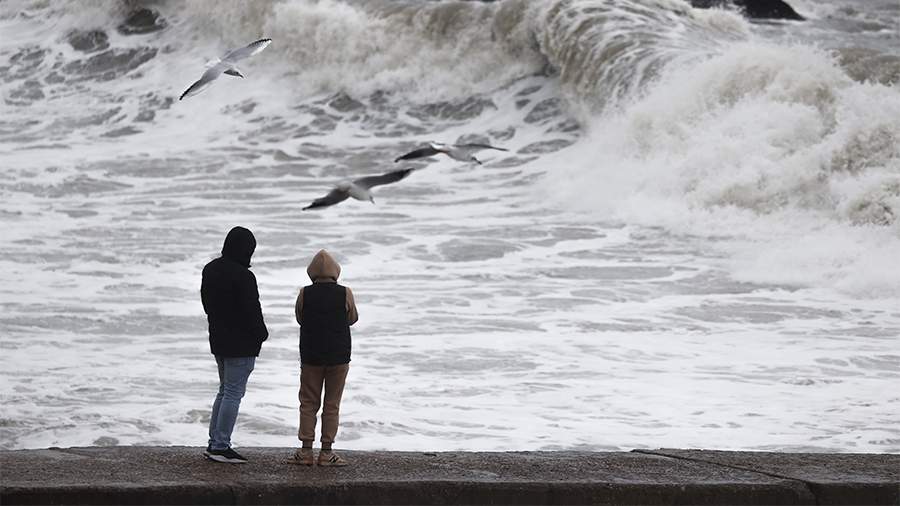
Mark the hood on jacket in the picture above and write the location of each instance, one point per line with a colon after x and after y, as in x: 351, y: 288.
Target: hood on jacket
x: 323, y: 267
x: 239, y: 245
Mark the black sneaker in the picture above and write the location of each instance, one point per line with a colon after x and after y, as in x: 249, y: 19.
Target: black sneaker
x: 207, y: 450
x: 227, y: 455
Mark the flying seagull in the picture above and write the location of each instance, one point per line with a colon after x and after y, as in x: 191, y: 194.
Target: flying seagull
x: 225, y: 65
x: 358, y: 188
x: 461, y: 152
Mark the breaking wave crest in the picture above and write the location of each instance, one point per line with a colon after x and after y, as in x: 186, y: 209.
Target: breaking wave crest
x: 775, y: 146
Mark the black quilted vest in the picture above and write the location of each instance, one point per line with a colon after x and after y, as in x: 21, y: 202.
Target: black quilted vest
x: 324, y: 332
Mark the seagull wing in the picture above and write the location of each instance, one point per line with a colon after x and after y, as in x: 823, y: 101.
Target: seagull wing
x: 388, y: 178
x: 334, y: 196
x: 247, y: 51
x: 205, y: 80
x: 418, y: 153
x: 476, y: 146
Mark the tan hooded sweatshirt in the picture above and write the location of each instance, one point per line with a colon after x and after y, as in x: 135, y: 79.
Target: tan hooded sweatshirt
x: 324, y: 269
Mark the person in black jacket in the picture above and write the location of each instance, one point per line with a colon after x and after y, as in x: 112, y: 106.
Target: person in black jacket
x: 325, y: 311
x: 236, y: 333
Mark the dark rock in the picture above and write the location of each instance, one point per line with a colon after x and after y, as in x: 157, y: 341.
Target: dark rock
x: 142, y: 21
x: 756, y: 9
x: 88, y: 42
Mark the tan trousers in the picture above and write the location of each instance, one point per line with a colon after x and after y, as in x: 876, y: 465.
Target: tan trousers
x: 312, y: 379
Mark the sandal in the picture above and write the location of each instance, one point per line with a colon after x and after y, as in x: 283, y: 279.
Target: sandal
x: 331, y: 459
x: 303, y: 457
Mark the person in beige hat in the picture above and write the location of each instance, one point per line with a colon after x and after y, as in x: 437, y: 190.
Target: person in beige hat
x: 325, y: 311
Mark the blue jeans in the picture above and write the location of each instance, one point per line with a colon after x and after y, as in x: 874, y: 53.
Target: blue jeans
x: 233, y: 374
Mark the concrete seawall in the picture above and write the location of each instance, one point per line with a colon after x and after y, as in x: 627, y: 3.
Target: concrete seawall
x: 180, y: 475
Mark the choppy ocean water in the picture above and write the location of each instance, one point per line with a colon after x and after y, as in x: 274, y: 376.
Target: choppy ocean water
x: 692, y: 241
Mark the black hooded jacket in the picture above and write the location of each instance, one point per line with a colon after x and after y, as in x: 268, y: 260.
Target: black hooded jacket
x: 231, y: 299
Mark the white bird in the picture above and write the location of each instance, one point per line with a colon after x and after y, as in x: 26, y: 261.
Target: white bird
x: 358, y: 188
x: 225, y: 65
x: 461, y: 152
